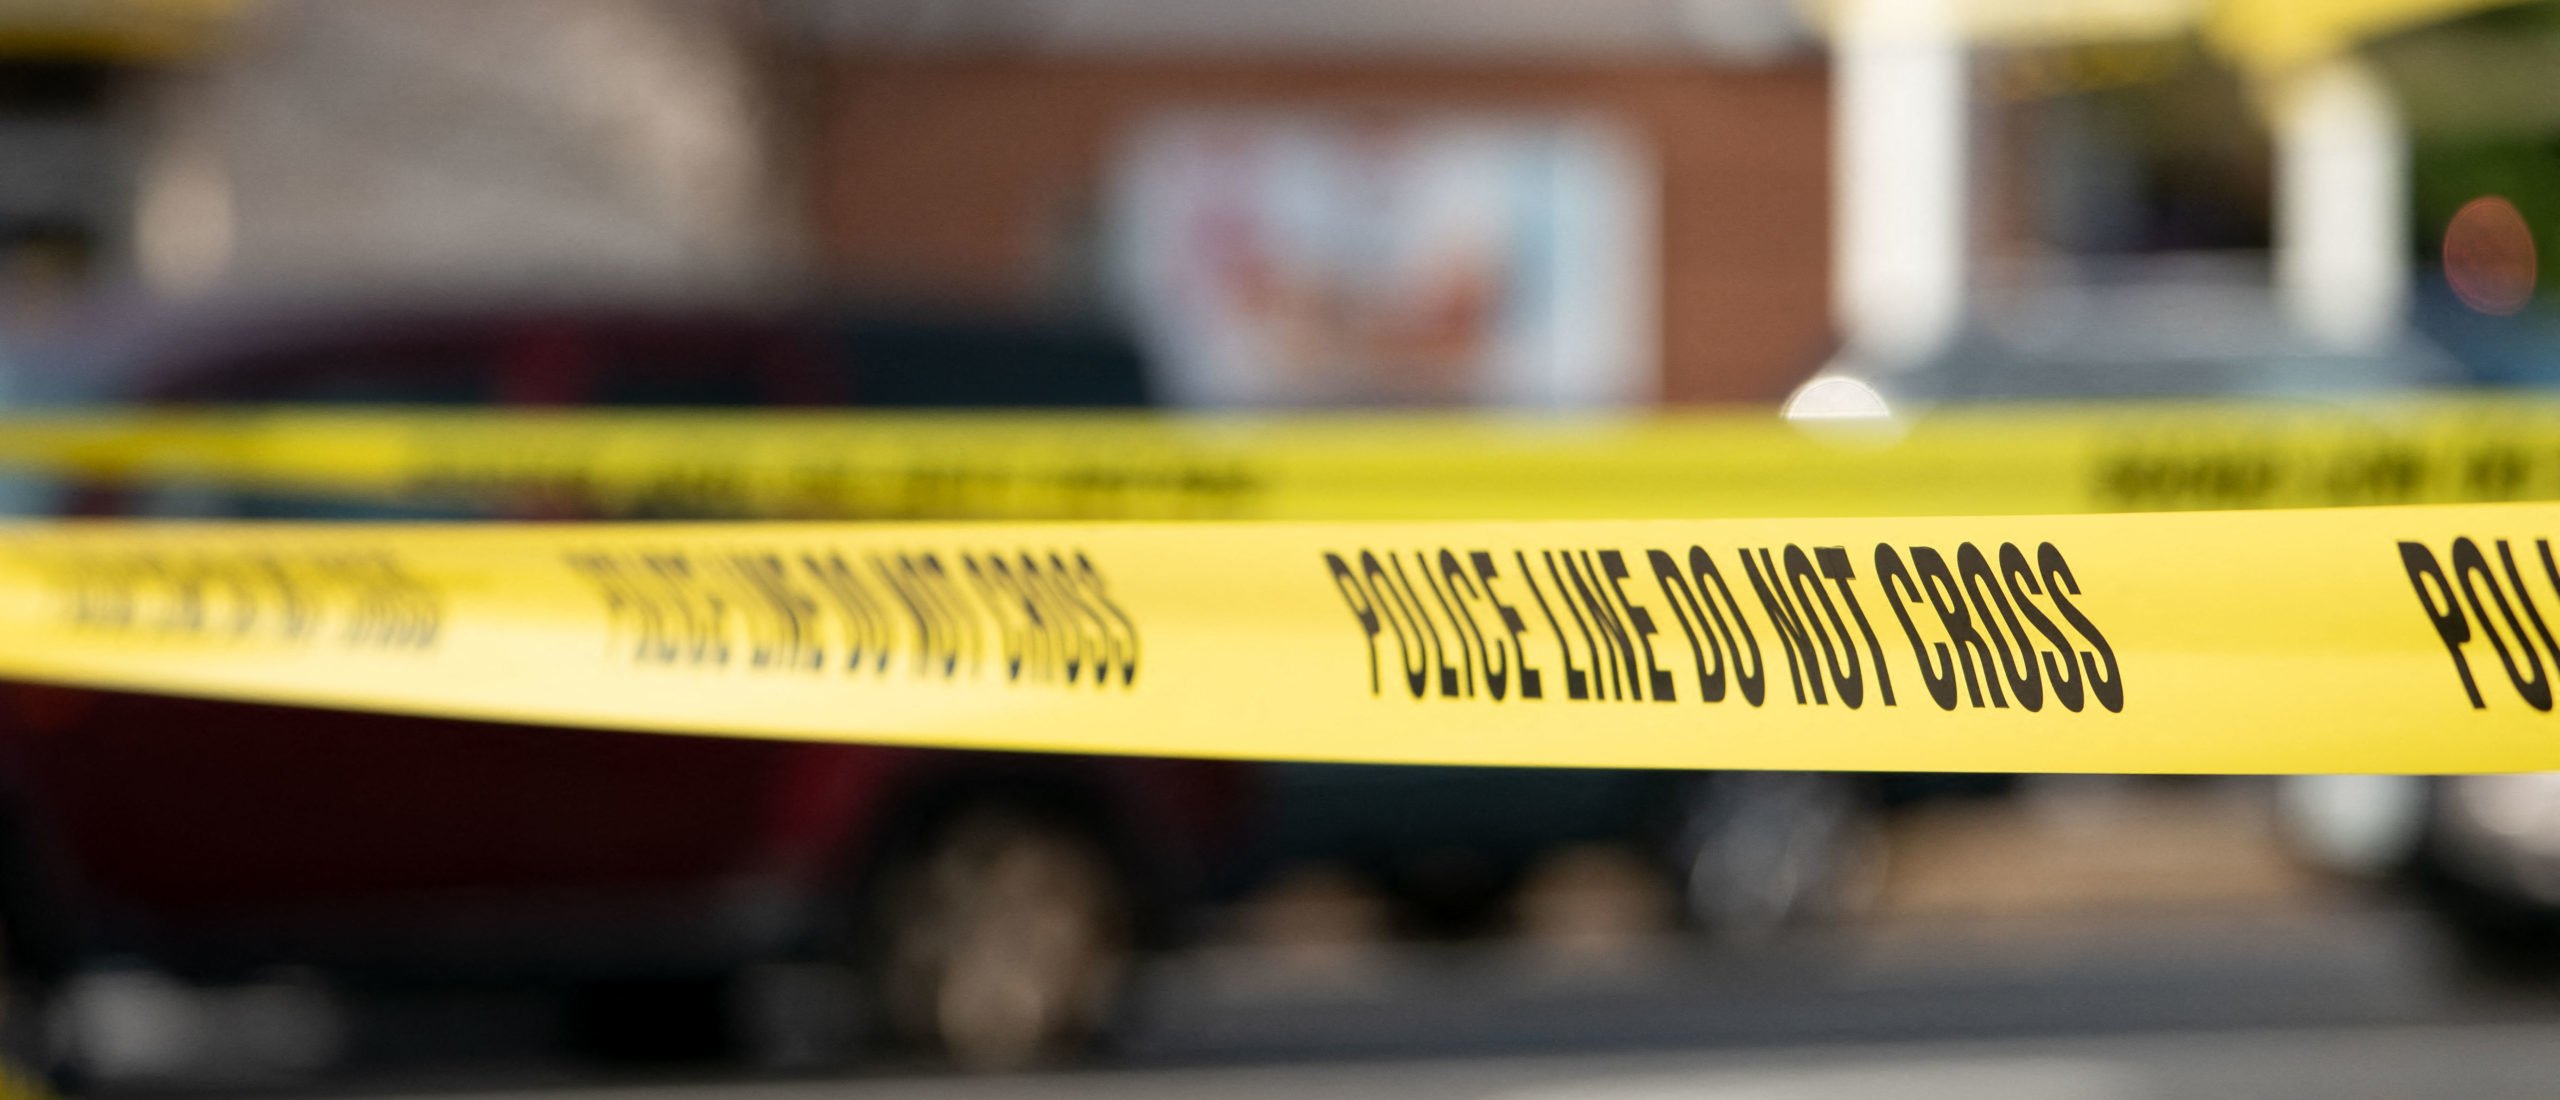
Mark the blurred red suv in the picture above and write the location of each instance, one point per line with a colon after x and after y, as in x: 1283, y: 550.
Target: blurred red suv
x: 983, y: 905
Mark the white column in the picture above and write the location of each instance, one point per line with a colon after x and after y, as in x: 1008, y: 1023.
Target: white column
x: 2341, y: 216
x: 1899, y: 154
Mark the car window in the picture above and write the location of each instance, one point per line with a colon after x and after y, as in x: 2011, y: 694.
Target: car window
x: 712, y: 366
x: 380, y: 372
x: 667, y: 384
x: 892, y: 362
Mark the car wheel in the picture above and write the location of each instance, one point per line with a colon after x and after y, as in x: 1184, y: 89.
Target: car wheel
x: 1003, y: 940
x: 2491, y: 943
x: 1757, y: 852
x: 2486, y: 870
x: 32, y: 1048
x: 650, y: 1022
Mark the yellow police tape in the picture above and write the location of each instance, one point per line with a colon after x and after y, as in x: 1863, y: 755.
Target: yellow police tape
x: 2414, y: 639
x: 2021, y: 460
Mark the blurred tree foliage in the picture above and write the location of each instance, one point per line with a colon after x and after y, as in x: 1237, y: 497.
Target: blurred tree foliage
x: 2484, y: 119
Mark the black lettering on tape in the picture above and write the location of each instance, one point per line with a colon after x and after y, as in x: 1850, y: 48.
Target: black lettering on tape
x: 2106, y: 686
x: 1640, y: 623
x: 1901, y: 591
x: 1091, y: 633
x: 1453, y: 610
x: 1613, y: 651
x: 1090, y: 582
x: 1752, y: 682
x: 2017, y: 657
x: 1364, y: 609
x: 2533, y: 613
x: 1011, y: 608
x: 1848, y: 676
x: 2472, y: 569
x: 1577, y: 685
x: 866, y: 622
x: 2062, y: 666
x: 2443, y: 609
x: 1792, y: 636
x: 1453, y: 580
x: 1946, y: 596
x: 1693, y: 623
x: 1836, y: 567
x: 1431, y: 627
x: 1531, y: 686
x: 1410, y: 655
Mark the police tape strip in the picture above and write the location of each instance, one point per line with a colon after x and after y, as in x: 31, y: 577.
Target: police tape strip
x: 2010, y: 460
x: 2363, y: 640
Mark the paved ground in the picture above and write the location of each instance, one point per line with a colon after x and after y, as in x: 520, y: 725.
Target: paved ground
x: 2094, y: 941
x: 2486, y: 1062
x: 2341, y: 1007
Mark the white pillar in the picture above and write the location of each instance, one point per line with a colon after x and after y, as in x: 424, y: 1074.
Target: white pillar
x: 2341, y: 216
x: 1899, y: 154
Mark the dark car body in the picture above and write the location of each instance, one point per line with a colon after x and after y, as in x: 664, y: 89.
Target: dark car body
x: 217, y: 838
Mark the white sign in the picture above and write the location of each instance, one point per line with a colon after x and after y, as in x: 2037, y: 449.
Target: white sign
x: 1330, y: 259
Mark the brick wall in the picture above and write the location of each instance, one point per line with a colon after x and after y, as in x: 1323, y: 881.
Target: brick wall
x: 955, y: 176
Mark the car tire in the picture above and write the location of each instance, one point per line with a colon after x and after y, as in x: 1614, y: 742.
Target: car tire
x: 26, y: 1020
x: 37, y: 1041
x: 2481, y: 871
x: 34, y: 1041
x: 651, y: 1022
x: 2492, y: 944
x: 1002, y: 940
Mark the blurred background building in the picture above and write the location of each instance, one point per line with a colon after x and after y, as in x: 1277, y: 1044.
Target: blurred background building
x: 498, y: 148
x: 1406, y: 201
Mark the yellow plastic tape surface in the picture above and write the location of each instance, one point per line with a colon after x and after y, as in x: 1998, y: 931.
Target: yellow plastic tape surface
x: 2366, y: 640
x: 2012, y: 460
